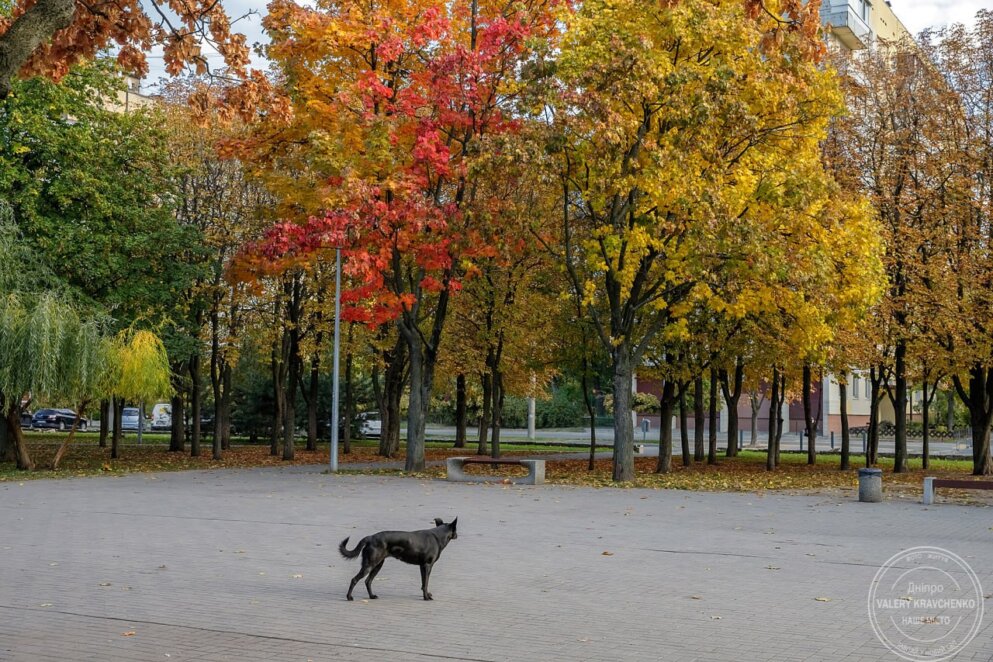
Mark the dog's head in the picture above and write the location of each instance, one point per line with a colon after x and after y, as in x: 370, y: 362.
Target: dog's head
x: 451, y: 527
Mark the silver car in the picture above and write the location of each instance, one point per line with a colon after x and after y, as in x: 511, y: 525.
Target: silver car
x: 129, y: 418
x: 370, y: 424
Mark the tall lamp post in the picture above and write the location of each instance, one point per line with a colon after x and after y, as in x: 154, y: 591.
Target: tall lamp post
x: 334, y: 375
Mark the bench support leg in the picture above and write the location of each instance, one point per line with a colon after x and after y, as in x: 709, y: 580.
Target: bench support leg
x: 928, y: 497
x: 456, y: 473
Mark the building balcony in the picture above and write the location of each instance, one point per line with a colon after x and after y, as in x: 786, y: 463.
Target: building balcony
x: 846, y: 25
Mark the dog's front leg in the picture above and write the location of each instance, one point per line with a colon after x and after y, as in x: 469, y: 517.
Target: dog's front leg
x: 425, y: 576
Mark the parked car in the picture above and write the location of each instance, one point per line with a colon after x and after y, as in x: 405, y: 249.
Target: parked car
x: 57, y: 419
x: 26, y: 417
x: 370, y: 424
x: 129, y: 419
x: 162, y: 416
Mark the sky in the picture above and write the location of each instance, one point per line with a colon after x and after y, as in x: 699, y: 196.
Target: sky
x: 920, y: 14
x: 915, y: 14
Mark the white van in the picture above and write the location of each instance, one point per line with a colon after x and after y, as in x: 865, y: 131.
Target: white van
x: 162, y: 416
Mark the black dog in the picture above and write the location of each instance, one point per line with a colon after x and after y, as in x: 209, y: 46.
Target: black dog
x: 415, y: 547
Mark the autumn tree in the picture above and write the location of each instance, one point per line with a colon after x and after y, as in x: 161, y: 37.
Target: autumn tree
x: 47, y: 37
x: 138, y: 370
x: 393, y: 104
x: 505, y: 314
x: 959, y: 276
x: 681, y: 130
x: 221, y: 208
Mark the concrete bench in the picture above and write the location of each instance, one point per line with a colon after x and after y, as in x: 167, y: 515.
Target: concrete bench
x: 536, y: 470
x: 931, y: 484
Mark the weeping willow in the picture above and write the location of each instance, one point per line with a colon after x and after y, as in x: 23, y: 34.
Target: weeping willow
x: 51, y: 354
x: 142, y: 367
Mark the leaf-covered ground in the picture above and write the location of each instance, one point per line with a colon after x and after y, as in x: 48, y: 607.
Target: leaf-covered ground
x: 86, y: 458
x: 745, y: 473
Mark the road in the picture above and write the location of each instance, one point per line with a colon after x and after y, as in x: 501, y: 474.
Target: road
x: 605, y: 437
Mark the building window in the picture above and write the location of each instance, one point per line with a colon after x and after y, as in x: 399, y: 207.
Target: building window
x: 855, y: 388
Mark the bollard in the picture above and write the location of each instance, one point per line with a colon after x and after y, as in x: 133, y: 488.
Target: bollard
x: 870, y: 485
x: 801, y: 441
x: 832, y: 439
x: 865, y: 448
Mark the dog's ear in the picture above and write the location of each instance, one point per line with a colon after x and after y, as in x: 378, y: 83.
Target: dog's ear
x: 454, y: 523
x: 437, y: 521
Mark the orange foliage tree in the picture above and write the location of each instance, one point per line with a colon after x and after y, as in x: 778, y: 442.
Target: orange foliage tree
x: 392, y: 107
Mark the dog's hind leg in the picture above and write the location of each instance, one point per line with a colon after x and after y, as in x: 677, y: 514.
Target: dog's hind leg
x: 372, y: 575
x: 425, y: 576
x: 356, y: 578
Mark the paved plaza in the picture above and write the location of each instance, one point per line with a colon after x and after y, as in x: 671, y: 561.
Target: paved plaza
x: 243, y: 565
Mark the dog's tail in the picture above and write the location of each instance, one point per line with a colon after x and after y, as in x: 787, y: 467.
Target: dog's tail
x: 343, y: 548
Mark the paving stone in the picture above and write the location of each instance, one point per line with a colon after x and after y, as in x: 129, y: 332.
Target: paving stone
x: 243, y: 565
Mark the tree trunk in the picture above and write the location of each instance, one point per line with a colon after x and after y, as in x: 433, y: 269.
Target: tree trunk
x: 215, y: 369
x: 115, y: 439
x: 420, y: 391
x: 388, y: 397
x: 311, y: 398
x: 979, y: 401
x: 195, y: 406
x: 35, y: 27
x: 732, y: 394
x: 484, y: 416
x: 105, y: 422
x: 667, y: 402
x: 497, y: 412
x: 771, y: 454
x: 226, y: 407
x: 950, y: 411
x: 6, y: 444
x: 846, y: 445
x: 290, y: 404
x: 712, y: 419
x: 808, y: 415
x: 423, y: 351
x: 276, y: 372
x: 684, y: 428
x: 588, y: 401
x: 925, y: 450
x: 68, y: 440
x: 780, y: 423
x: 460, y: 411
x: 698, y: 419
x: 349, y: 404
x: 875, y: 393
x: 755, y: 403
x: 218, y: 425
x: 900, y: 408
x: 623, y: 374
x: 15, y: 436
x: 177, y: 431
